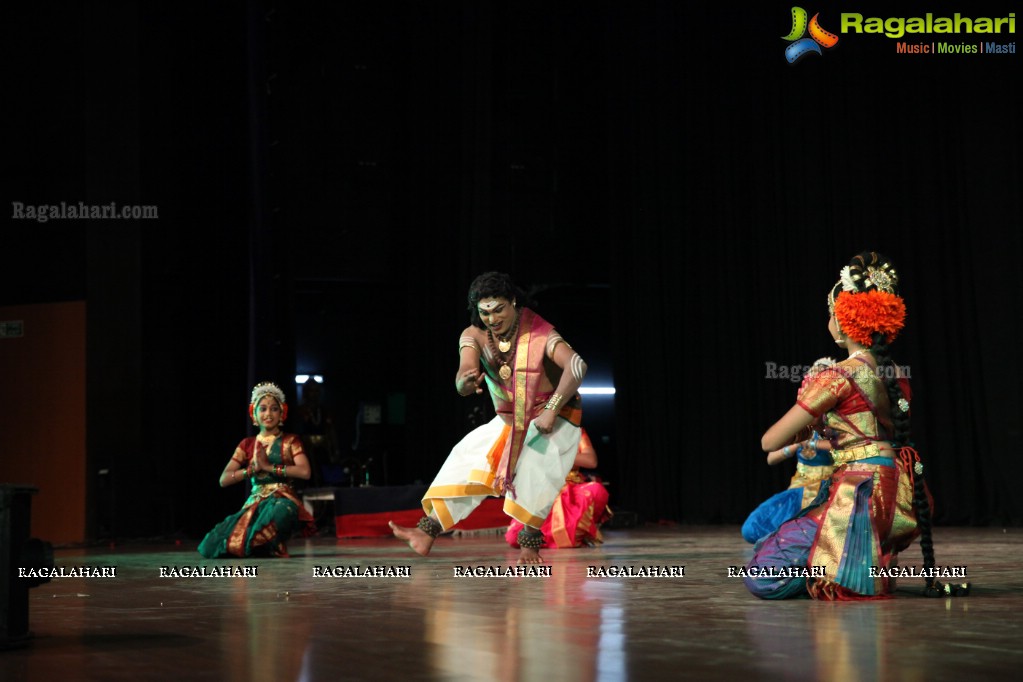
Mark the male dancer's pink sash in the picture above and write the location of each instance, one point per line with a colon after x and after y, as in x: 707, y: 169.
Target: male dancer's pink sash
x: 527, y: 401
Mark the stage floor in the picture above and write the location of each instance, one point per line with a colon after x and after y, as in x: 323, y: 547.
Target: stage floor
x: 286, y: 624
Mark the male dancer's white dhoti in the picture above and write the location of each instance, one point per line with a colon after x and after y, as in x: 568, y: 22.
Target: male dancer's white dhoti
x: 470, y: 473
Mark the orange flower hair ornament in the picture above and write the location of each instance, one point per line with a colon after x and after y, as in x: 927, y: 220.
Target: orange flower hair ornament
x: 861, y: 315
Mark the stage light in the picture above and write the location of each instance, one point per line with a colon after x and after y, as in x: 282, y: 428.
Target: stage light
x: 596, y: 390
x: 302, y: 378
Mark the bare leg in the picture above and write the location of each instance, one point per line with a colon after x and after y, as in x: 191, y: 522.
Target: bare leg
x: 420, y: 541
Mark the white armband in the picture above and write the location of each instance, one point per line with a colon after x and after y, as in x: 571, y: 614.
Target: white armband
x: 578, y: 367
x: 552, y: 343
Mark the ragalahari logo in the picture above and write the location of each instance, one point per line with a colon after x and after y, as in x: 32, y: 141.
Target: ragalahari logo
x: 802, y: 46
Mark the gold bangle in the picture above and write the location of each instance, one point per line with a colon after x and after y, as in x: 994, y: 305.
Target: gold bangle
x: 553, y: 403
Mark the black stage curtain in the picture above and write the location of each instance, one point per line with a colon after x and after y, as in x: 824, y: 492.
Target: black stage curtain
x: 740, y: 185
x: 331, y: 176
x: 662, y: 169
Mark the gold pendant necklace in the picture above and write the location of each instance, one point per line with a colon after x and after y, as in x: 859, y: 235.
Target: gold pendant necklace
x: 504, y: 345
x: 500, y: 347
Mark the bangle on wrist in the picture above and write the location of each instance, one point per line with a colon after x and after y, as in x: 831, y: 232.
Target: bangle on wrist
x: 554, y: 401
x: 787, y: 451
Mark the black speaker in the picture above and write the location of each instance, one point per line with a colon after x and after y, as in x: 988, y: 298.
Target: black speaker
x: 18, y: 550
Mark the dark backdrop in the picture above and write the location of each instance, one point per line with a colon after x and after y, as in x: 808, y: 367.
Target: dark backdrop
x: 330, y: 177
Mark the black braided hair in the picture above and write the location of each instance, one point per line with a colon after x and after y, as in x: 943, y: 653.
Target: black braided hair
x: 493, y: 285
x: 887, y: 370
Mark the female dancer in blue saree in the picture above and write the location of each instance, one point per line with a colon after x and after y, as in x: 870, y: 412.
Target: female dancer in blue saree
x: 846, y: 545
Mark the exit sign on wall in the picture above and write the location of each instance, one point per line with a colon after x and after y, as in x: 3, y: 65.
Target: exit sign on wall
x: 11, y: 329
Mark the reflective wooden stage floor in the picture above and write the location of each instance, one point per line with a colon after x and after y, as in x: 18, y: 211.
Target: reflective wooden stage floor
x: 285, y: 624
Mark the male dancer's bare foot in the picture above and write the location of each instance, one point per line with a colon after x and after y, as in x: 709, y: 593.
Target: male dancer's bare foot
x: 419, y: 541
x: 529, y: 556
